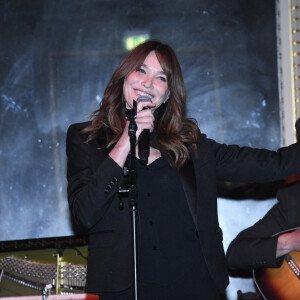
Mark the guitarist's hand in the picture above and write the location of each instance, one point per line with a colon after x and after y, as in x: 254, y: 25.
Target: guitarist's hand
x: 288, y: 242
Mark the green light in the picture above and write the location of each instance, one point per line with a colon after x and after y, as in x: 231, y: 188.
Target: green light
x: 130, y: 42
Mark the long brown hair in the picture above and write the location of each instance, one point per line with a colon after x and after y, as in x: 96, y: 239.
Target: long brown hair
x: 172, y: 130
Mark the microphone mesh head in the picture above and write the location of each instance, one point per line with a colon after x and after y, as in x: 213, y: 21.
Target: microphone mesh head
x: 143, y: 98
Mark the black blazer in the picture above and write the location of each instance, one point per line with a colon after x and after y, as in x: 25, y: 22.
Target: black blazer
x: 94, y: 179
x: 256, y: 246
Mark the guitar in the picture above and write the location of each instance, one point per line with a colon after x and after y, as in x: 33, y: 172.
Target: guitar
x: 280, y: 283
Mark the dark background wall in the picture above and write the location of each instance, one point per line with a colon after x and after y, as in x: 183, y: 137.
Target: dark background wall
x: 57, y: 57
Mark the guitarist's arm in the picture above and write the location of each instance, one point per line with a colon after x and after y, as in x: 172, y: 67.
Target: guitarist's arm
x: 252, y: 248
x: 258, y: 246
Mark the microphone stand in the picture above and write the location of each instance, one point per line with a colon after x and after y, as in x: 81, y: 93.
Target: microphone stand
x: 132, y: 188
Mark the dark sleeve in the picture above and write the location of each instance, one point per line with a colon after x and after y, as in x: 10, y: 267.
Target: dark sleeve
x: 246, y: 164
x: 256, y: 245
x: 253, y: 248
x: 93, y: 179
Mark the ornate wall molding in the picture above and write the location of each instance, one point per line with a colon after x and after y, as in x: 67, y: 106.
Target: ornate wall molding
x: 289, y: 62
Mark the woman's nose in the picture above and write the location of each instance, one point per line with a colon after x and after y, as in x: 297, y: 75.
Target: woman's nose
x: 147, y: 81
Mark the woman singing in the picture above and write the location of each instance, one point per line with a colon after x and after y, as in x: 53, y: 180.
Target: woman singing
x: 179, y: 241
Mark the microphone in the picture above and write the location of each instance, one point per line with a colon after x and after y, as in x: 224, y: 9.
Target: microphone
x: 143, y: 142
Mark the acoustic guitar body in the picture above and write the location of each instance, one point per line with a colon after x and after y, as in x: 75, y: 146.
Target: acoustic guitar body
x: 280, y: 283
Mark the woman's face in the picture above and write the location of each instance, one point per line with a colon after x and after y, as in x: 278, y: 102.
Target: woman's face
x: 149, y: 80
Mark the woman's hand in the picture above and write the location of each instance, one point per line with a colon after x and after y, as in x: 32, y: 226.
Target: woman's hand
x: 144, y: 120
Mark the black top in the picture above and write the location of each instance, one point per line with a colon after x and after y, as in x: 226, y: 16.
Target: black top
x: 169, y: 251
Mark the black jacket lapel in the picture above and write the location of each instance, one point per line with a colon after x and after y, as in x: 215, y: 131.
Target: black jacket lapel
x: 187, y: 173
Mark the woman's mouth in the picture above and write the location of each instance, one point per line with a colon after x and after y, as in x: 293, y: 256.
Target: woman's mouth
x: 142, y: 93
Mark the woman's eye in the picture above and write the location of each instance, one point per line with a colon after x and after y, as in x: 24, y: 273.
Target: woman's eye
x: 140, y: 70
x: 164, y: 79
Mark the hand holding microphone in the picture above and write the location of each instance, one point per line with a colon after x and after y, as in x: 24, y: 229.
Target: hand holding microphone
x: 144, y: 139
